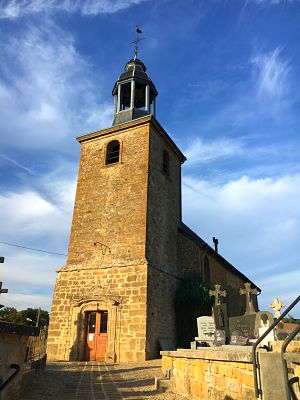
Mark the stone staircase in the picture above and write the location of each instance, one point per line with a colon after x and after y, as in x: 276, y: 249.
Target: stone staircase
x: 164, y: 384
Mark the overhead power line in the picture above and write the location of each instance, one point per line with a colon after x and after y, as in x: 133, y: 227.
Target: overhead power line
x: 30, y: 248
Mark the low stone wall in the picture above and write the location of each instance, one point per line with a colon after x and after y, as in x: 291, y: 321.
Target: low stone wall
x: 13, y: 346
x: 216, y: 374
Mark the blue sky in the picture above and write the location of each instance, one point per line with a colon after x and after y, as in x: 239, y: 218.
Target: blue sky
x: 227, y: 73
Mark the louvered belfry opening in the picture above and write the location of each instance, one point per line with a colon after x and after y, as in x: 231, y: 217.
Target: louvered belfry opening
x: 134, y: 93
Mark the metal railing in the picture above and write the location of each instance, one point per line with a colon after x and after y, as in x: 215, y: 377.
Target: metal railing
x: 258, y: 391
x: 289, y: 390
x: 17, y: 369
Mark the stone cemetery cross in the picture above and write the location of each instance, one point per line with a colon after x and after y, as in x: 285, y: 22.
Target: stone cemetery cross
x: 249, y: 299
x: 277, y: 306
x: 2, y: 290
x: 218, y: 293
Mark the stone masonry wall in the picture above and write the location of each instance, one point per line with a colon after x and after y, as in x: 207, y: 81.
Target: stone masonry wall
x: 163, y: 219
x: 106, y: 259
x: 102, y: 286
x: 109, y: 221
x: 211, y: 374
x: 164, y: 205
x: 191, y: 256
x: 160, y: 310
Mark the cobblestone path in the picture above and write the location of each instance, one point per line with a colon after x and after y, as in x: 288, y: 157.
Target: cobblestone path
x: 97, y: 381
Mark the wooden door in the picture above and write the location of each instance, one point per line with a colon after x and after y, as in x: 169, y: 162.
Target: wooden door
x: 96, y: 335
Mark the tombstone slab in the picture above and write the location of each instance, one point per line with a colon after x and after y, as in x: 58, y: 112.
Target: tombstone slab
x: 249, y: 324
x: 206, y: 328
x: 221, y: 318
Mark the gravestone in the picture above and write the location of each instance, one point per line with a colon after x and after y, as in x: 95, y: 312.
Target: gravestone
x: 238, y: 339
x: 219, y: 309
x: 249, y: 293
x: 218, y: 294
x: 206, y: 328
x: 252, y: 324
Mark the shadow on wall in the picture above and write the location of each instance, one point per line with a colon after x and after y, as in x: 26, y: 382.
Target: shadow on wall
x: 77, y: 350
x: 192, y: 300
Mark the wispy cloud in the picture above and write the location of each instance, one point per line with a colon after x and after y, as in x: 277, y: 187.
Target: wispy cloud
x: 46, y: 89
x: 257, y: 222
x: 273, y: 73
x: 33, y: 214
x: 16, y: 163
x: 35, y: 219
x: 15, y: 8
x: 201, y: 151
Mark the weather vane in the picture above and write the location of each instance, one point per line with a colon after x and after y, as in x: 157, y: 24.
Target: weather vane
x: 137, y: 40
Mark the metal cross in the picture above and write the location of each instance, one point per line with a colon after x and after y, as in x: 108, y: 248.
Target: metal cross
x: 277, y: 306
x: 249, y: 297
x: 2, y: 290
x: 137, y: 41
x: 218, y: 293
x: 216, y: 242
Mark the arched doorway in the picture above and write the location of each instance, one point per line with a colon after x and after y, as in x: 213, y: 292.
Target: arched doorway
x: 94, y: 332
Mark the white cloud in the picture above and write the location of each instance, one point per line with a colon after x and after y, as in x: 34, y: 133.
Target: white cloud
x: 202, y: 152
x: 257, y: 222
x: 46, y: 89
x: 272, y: 73
x: 31, y: 214
x: 36, y: 220
x: 15, y: 8
x: 21, y: 301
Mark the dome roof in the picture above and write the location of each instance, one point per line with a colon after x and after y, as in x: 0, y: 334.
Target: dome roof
x: 135, y: 62
x: 135, y: 69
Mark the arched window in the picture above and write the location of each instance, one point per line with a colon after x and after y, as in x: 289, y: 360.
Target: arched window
x: 206, y: 271
x: 113, y: 152
x: 165, y: 163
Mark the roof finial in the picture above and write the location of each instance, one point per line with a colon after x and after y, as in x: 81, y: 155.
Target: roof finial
x: 137, y: 41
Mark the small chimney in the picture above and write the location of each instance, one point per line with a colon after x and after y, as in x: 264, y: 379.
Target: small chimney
x: 216, y: 242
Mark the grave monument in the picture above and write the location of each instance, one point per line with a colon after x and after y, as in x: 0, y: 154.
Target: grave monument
x: 252, y: 324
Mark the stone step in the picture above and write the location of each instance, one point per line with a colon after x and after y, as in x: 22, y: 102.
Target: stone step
x: 162, y: 384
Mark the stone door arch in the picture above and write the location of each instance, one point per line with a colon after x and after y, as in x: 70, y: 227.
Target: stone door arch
x: 78, y: 327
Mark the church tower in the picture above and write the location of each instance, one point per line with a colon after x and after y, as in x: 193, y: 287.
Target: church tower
x: 113, y: 299
x: 129, y: 249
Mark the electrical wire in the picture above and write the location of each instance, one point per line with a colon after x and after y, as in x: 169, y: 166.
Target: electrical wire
x: 32, y: 249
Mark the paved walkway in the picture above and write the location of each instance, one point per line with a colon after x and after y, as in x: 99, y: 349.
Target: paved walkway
x: 94, y: 383
x: 97, y: 381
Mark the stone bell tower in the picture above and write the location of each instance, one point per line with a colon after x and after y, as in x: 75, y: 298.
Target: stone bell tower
x: 113, y: 299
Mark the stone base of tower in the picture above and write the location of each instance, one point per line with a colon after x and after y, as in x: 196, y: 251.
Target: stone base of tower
x: 121, y: 292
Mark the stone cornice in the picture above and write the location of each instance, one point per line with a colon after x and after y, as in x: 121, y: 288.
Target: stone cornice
x: 148, y: 120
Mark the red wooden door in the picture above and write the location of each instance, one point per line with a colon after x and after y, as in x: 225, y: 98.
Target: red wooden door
x: 96, y: 335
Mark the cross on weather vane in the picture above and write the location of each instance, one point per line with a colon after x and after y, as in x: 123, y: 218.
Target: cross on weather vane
x: 137, y: 41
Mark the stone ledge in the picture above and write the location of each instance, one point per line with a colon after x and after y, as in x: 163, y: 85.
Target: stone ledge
x: 293, y: 357
x: 234, y: 353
